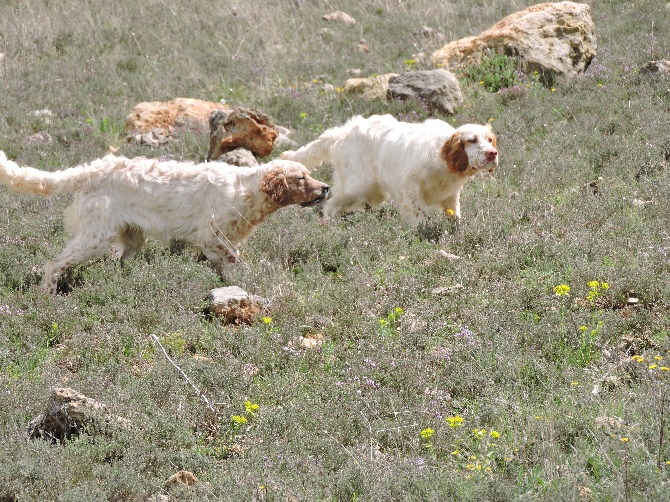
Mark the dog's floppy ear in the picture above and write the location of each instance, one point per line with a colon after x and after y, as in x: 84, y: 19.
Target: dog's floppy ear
x: 275, y: 186
x: 454, y: 154
x: 494, y: 142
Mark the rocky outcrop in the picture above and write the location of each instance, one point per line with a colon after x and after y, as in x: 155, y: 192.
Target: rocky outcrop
x: 241, y: 128
x: 556, y: 39
x: 164, y: 116
x: 437, y: 89
x: 67, y: 412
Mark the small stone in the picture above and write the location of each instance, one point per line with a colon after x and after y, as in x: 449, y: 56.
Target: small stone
x: 233, y: 305
x: 67, y: 412
x: 311, y: 341
x: 446, y: 290
x: 362, y: 46
x: 239, y: 157
x: 181, y: 478
x: 339, y: 17
x: 449, y: 256
x: 640, y: 202
x: 370, y: 88
x: 660, y: 67
x: 584, y: 491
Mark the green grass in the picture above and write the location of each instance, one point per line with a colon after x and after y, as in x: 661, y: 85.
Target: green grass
x: 484, y: 337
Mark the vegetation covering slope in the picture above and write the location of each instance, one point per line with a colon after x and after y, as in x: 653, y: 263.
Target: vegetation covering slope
x: 505, y: 374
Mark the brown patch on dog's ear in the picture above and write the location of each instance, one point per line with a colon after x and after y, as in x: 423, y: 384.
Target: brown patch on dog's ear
x: 494, y: 141
x: 274, y: 185
x: 454, y: 154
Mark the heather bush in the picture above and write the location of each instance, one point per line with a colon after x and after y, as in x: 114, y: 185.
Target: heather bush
x: 521, y: 354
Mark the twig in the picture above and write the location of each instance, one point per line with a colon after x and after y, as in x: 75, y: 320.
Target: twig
x: 344, y: 447
x: 238, y: 50
x: 198, y: 391
x: 661, y: 430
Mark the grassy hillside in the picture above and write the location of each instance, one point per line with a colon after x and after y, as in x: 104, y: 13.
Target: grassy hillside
x: 439, y: 379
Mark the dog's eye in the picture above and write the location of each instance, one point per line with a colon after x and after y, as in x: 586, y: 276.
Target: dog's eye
x: 301, y: 177
x: 473, y: 140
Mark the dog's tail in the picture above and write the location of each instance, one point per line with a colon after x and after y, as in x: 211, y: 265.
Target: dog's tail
x: 31, y: 180
x: 316, y: 152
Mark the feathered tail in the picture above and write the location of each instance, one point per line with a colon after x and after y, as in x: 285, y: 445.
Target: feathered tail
x: 316, y: 152
x: 31, y: 180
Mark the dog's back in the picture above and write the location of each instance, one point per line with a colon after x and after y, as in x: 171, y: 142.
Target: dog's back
x: 369, y: 137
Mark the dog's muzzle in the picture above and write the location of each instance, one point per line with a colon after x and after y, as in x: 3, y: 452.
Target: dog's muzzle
x: 324, y: 193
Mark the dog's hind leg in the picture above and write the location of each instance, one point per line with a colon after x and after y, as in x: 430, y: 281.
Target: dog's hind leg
x: 81, y: 248
x: 131, y: 240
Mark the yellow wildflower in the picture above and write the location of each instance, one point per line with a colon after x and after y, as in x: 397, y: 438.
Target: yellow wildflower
x: 455, y: 421
x: 237, y: 419
x: 426, y: 434
x: 561, y: 290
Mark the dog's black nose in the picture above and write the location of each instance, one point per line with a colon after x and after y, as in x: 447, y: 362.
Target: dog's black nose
x: 325, y: 190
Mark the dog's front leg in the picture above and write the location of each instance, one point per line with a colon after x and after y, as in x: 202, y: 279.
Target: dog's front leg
x: 220, y: 256
x: 452, y: 206
x: 412, y: 210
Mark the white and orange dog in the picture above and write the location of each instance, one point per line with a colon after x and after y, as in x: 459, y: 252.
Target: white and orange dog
x: 118, y: 201
x: 418, y: 165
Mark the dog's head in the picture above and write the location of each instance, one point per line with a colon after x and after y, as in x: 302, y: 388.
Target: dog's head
x: 288, y: 182
x: 472, y: 147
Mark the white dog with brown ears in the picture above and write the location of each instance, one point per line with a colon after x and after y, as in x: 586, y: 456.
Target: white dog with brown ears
x: 118, y: 201
x: 418, y: 165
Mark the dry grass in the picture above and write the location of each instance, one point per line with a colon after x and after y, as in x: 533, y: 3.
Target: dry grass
x: 483, y: 337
